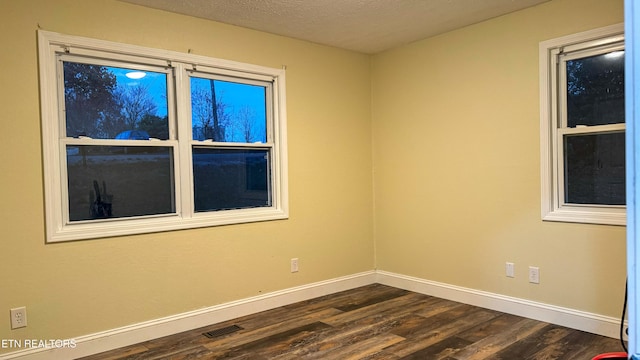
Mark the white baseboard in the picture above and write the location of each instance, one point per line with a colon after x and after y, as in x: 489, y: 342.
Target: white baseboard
x: 136, y: 333
x: 575, y: 319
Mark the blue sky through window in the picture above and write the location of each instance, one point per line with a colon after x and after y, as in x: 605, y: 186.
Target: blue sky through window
x: 243, y: 106
x: 154, y: 82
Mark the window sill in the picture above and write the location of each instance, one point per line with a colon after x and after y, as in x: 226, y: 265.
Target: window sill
x: 588, y: 215
x: 119, y: 227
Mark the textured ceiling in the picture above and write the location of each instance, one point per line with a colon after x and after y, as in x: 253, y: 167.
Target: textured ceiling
x: 367, y: 26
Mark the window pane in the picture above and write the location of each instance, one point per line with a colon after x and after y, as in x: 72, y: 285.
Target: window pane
x: 119, y: 181
x: 595, y: 169
x: 104, y: 102
x: 230, y: 178
x: 595, y: 90
x: 228, y: 111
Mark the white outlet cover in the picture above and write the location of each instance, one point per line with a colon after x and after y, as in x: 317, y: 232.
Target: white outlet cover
x: 510, y: 269
x: 534, y: 275
x: 18, y: 317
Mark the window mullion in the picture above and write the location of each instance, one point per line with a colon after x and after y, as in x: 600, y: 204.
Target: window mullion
x: 183, y: 123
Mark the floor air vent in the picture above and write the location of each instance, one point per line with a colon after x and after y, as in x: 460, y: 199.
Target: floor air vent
x: 223, y: 331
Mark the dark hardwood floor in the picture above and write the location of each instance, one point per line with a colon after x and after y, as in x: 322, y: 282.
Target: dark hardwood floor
x: 374, y: 322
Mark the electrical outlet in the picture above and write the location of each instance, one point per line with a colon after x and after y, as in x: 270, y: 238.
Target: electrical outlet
x: 18, y: 317
x: 510, y: 269
x: 534, y: 275
x: 294, y: 265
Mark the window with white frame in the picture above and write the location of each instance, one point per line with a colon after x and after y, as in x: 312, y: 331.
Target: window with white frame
x: 583, y: 127
x: 139, y: 140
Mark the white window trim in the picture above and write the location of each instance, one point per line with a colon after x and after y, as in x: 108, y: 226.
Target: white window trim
x: 552, y: 207
x: 58, y: 230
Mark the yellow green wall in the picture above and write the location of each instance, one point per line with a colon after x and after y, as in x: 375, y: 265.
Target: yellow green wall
x: 78, y: 288
x: 422, y: 161
x: 457, y: 164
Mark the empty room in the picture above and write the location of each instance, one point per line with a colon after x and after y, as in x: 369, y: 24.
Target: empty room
x: 171, y: 167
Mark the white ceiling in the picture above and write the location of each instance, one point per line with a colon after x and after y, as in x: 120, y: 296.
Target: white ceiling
x: 367, y: 26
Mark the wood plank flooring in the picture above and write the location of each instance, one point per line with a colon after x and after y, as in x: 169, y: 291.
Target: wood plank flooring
x: 374, y: 322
